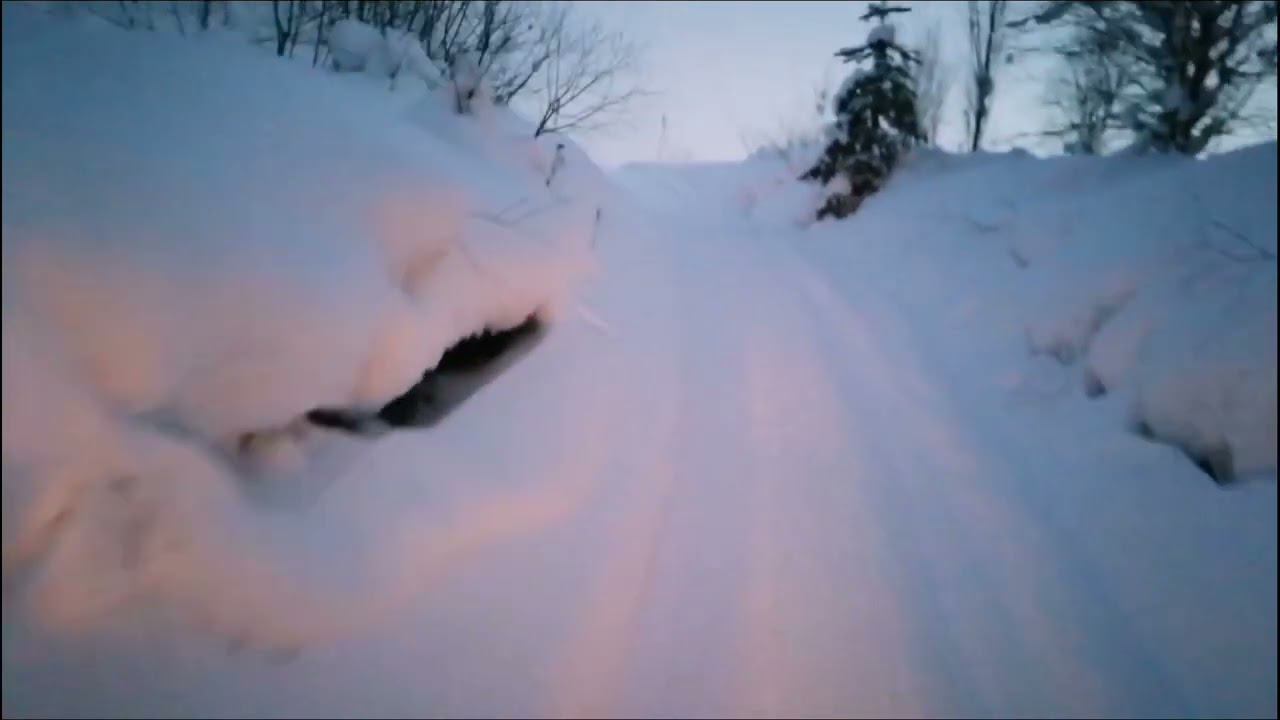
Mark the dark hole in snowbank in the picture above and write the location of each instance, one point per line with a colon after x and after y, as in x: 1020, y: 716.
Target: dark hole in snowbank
x: 465, y: 367
x: 1093, y: 385
x: 1216, y: 462
x: 338, y: 419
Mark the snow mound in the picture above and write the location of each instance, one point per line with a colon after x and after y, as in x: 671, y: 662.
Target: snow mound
x: 357, y: 46
x: 202, y: 243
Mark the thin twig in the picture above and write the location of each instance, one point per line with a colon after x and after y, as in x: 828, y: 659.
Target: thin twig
x: 505, y: 222
x: 1260, y: 253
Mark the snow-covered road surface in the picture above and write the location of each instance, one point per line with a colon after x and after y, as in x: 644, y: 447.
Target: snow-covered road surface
x: 752, y: 491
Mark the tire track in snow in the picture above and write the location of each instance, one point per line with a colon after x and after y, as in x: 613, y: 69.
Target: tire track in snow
x: 594, y: 663
x: 683, y: 658
x: 817, y: 573
x: 982, y: 576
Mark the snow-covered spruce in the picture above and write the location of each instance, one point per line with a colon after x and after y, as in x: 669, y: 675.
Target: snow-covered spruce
x: 875, y: 121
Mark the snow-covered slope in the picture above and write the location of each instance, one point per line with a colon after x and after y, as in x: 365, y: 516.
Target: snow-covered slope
x: 771, y: 468
x: 1151, y: 278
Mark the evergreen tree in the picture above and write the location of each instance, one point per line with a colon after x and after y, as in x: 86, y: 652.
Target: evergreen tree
x: 875, y: 117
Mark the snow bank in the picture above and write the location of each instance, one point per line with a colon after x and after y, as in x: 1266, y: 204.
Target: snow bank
x: 1205, y: 378
x: 1156, y: 274
x: 203, y: 242
x: 1150, y: 278
x: 1165, y: 283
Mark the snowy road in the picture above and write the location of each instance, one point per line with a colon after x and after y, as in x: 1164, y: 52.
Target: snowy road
x: 751, y: 494
x: 821, y: 534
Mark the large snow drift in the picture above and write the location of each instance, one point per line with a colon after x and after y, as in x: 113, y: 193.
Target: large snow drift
x: 203, y: 242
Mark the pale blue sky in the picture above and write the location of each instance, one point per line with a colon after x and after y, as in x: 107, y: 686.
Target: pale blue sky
x: 725, y: 70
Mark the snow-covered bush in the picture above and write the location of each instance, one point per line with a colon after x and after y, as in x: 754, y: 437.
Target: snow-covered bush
x: 355, y: 46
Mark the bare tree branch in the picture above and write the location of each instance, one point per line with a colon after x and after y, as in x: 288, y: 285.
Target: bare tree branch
x: 1256, y: 251
x: 932, y: 81
x: 585, y: 76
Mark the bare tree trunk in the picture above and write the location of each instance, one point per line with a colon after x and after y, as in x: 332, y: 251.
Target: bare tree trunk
x: 177, y: 17
x: 320, y: 28
x: 430, y: 19
x: 282, y: 34
x: 413, y: 16
x: 985, y: 42
x: 145, y: 9
x: 455, y: 15
x: 489, y: 13
x: 389, y: 21
x: 295, y: 25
